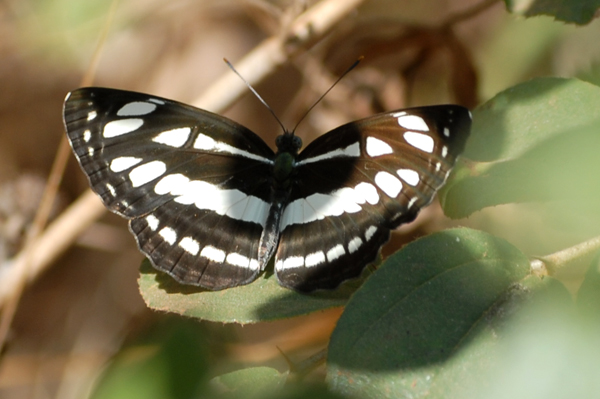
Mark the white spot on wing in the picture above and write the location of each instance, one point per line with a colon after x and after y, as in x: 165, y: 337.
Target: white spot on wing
x: 170, y: 184
x: 376, y: 147
x: 174, y: 137
x: 152, y: 222
x: 318, y: 206
x: 353, y: 150
x: 92, y: 115
x: 444, y: 151
x: 354, y: 244
x: 147, y: 172
x: 368, y: 192
x: 87, y: 135
x: 136, y: 108
x: 446, y: 132
x: 190, y: 245
x: 388, y: 183
x: 410, y: 176
x: 120, y: 127
x: 370, y: 232
x: 314, y: 259
x: 212, y: 253
x: 204, y: 142
x: 335, y: 252
x: 239, y: 260
x: 111, y: 189
x: 203, y: 195
x: 254, y: 265
x: 291, y: 262
x: 168, y: 234
x: 156, y: 101
x: 123, y: 163
x: 411, y: 202
x: 419, y: 140
x: 413, y: 122
x: 91, y: 151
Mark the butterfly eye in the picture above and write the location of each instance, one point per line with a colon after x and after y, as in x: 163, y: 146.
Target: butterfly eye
x: 297, y: 142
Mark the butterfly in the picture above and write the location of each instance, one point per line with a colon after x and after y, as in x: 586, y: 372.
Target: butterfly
x: 210, y: 203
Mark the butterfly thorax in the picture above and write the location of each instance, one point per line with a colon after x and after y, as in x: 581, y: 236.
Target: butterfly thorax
x: 287, y: 149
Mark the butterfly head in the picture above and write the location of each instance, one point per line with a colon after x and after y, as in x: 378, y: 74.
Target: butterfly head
x: 288, y: 142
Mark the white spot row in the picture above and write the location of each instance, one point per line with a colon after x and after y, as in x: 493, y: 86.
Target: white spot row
x: 233, y: 203
x: 319, y: 206
x: 353, y: 150
x: 124, y: 126
x: 207, y: 143
x: 192, y: 246
x: 321, y: 257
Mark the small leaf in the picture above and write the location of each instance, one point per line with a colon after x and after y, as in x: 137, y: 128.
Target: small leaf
x: 262, y: 300
x: 418, y: 309
x: 571, y: 11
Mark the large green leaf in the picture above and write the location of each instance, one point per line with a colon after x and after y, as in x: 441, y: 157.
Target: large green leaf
x: 546, y: 134
x: 262, y: 300
x: 424, y: 304
x: 519, y: 118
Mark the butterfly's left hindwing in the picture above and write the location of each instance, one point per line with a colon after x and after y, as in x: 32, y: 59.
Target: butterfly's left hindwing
x: 359, y: 181
x: 194, y: 184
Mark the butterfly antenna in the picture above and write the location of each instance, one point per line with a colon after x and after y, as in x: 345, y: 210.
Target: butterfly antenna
x: 328, y: 90
x: 255, y: 93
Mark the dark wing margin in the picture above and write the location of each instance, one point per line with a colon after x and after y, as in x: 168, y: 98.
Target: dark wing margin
x: 183, y: 176
x: 357, y: 183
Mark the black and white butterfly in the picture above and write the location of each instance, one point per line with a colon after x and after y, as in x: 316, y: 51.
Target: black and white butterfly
x: 210, y: 203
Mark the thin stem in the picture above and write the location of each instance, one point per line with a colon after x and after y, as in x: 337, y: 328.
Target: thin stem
x: 565, y: 257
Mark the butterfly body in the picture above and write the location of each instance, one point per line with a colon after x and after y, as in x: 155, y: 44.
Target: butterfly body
x: 210, y: 203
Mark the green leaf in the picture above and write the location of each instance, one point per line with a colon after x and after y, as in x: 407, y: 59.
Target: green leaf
x: 262, y: 300
x: 519, y: 118
x: 170, y: 364
x: 495, y: 352
x: 570, y: 11
x: 418, y: 309
x: 548, y: 144
x: 254, y: 382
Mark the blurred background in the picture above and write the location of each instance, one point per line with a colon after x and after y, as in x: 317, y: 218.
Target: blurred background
x: 76, y: 315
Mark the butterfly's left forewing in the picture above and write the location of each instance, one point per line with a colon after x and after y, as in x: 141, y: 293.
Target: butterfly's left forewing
x: 359, y: 181
x: 194, y: 184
